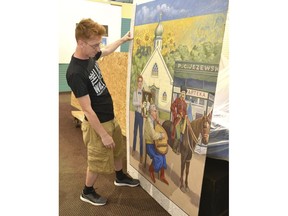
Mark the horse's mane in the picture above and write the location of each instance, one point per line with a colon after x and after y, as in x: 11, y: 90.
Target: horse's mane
x: 196, y: 126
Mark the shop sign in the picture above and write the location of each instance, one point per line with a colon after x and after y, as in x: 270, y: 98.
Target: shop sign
x: 195, y: 93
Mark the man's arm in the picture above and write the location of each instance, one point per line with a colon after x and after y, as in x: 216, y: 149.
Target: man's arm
x: 149, y: 132
x: 110, y: 48
x: 173, y: 109
x: 135, y: 101
x: 93, y: 119
x: 185, y: 109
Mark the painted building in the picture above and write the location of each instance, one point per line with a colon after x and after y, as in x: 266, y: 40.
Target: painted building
x: 199, y: 79
x: 156, y: 74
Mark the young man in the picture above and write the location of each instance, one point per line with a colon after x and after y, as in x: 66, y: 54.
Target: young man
x: 101, y: 133
x: 138, y: 122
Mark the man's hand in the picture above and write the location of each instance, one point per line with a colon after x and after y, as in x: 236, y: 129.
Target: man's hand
x: 162, y: 135
x: 107, y: 50
x: 127, y: 36
x: 108, y: 142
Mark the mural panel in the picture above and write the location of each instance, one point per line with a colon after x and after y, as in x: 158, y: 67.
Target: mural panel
x: 174, y: 68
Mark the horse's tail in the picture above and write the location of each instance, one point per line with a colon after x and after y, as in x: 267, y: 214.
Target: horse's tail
x: 167, y: 127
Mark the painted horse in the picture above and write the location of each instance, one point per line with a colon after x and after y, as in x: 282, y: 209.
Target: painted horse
x: 195, y: 132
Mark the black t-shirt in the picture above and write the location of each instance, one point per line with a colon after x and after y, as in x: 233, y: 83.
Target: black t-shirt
x: 84, y: 77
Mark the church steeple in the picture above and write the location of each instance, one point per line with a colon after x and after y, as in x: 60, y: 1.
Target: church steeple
x: 158, y: 34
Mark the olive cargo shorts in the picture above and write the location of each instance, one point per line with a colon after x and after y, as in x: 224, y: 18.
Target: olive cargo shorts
x: 101, y: 159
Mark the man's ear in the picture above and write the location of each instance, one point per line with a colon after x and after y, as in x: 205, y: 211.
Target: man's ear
x: 80, y: 43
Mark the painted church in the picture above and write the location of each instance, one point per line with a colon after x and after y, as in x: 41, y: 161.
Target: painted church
x: 156, y: 74
x: 200, y: 81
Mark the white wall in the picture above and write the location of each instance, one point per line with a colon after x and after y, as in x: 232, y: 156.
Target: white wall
x: 72, y: 11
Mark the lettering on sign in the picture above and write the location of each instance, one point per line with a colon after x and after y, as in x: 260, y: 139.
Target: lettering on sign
x: 196, y: 67
x: 195, y: 93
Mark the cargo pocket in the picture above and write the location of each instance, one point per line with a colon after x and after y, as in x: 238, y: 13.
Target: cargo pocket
x: 85, y: 132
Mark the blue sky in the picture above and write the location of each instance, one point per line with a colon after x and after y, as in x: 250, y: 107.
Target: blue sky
x: 176, y: 9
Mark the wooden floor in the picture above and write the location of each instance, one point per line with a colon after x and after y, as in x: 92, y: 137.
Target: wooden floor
x: 72, y: 169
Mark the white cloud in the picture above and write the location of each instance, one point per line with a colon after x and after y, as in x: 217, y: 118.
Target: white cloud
x: 171, y: 12
x: 151, y: 15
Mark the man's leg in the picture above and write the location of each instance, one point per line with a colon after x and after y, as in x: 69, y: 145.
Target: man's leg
x: 90, y: 178
x: 121, y: 178
x: 118, y: 164
x: 141, y: 137
x: 118, y: 153
x: 89, y: 194
x: 176, y: 141
x: 136, y: 125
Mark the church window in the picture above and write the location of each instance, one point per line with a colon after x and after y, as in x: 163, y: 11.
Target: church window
x: 155, y: 70
x: 164, y: 96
